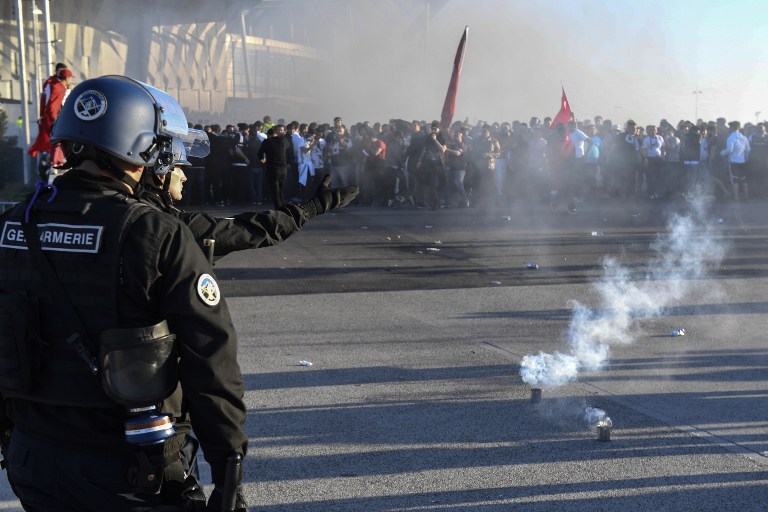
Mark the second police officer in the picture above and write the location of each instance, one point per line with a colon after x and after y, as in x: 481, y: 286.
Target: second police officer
x: 163, y: 184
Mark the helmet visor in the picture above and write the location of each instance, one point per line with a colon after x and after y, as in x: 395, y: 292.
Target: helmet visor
x: 174, y: 124
x: 196, y: 144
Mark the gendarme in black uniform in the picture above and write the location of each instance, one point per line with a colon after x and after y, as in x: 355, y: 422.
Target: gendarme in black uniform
x: 159, y: 265
x: 122, y: 265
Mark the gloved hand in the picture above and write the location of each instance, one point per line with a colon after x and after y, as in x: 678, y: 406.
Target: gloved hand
x: 214, y: 502
x: 327, y: 199
x: 192, y: 496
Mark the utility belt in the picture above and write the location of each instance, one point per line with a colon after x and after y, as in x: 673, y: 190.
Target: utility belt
x: 138, y: 368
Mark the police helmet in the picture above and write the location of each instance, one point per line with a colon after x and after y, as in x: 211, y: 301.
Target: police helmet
x: 129, y: 120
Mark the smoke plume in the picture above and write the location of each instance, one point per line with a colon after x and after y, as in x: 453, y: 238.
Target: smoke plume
x: 683, y: 255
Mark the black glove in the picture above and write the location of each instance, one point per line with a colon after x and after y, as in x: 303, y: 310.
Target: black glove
x: 327, y: 199
x: 192, y: 496
x: 214, y: 502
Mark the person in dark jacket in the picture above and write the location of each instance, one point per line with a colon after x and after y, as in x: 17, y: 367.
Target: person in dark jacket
x: 431, y: 168
x: 275, y: 153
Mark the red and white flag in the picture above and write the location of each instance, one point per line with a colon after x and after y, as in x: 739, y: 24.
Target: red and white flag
x: 449, y: 107
x: 564, y: 115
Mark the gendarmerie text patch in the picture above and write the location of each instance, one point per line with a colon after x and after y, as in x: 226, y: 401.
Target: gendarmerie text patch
x: 54, y: 237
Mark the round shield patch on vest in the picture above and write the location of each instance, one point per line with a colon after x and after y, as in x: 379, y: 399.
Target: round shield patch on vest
x: 90, y: 105
x: 208, y: 290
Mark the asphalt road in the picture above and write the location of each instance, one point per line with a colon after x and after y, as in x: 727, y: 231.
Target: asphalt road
x: 416, y: 322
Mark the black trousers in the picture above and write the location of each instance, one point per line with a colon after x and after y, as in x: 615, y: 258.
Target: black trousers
x: 432, y: 180
x: 218, y: 176
x: 48, y: 477
x: 275, y: 181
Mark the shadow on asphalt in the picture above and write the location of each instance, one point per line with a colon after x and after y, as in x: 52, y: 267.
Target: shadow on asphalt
x: 423, y: 434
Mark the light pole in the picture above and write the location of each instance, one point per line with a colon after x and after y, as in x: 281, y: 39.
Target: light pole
x: 757, y: 117
x: 23, y: 88
x: 696, y: 106
x: 47, y: 67
x: 35, y: 35
x: 48, y: 37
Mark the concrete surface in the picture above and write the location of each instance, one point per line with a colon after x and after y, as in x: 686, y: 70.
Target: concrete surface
x: 414, y: 400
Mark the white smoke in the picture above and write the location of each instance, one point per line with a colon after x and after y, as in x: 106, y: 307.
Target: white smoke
x: 595, y: 417
x: 549, y: 370
x: 682, y: 256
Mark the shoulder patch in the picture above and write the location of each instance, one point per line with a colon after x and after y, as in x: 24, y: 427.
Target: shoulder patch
x: 208, y: 290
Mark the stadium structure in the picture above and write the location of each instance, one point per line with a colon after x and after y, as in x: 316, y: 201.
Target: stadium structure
x: 223, y: 59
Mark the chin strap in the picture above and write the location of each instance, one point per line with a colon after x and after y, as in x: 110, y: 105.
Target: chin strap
x: 165, y: 194
x: 150, y: 182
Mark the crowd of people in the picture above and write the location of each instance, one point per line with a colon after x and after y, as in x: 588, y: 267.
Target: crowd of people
x: 425, y: 165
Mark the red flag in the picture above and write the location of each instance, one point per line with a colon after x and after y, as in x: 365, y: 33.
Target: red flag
x: 564, y: 116
x: 449, y: 107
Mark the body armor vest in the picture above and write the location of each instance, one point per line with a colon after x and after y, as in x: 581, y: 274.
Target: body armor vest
x: 82, y: 234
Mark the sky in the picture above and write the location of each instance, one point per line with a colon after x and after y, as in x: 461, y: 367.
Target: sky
x: 619, y: 59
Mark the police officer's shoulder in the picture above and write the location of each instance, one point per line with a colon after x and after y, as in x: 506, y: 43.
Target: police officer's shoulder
x: 151, y: 219
x: 150, y: 197
x: 161, y: 217
x: 156, y: 234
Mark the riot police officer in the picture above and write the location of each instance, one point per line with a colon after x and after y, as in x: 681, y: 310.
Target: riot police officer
x: 117, y: 341
x: 162, y: 185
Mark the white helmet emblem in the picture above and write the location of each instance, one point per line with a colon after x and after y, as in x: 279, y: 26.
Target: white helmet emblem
x: 90, y: 105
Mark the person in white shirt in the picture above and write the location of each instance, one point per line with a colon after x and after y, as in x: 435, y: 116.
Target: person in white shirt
x: 582, y: 145
x: 317, y: 152
x: 592, y: 161
x: 672, y: 177
x: 581, y: 142
x: 306, y: 164
x: 737, y: 150
x: 651, y: 152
